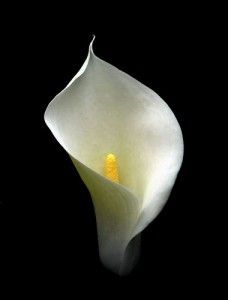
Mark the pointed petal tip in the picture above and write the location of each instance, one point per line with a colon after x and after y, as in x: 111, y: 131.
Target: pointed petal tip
x: 91, y: 44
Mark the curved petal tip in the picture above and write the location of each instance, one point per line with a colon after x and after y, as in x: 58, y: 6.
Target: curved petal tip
x: 91, y: 44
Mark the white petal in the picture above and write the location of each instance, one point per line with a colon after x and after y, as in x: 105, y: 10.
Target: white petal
x: 116, y: 212
x: 101, y: 111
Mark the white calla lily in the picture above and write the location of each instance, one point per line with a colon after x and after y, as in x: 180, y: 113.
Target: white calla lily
x: 101, y: 111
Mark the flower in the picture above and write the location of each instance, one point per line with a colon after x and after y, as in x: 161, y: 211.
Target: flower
x: 127, y: 146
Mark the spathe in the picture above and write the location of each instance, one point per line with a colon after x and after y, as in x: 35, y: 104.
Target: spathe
x: 103, y: 110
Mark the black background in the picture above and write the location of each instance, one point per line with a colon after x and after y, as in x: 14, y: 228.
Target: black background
x: 48, y: 219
